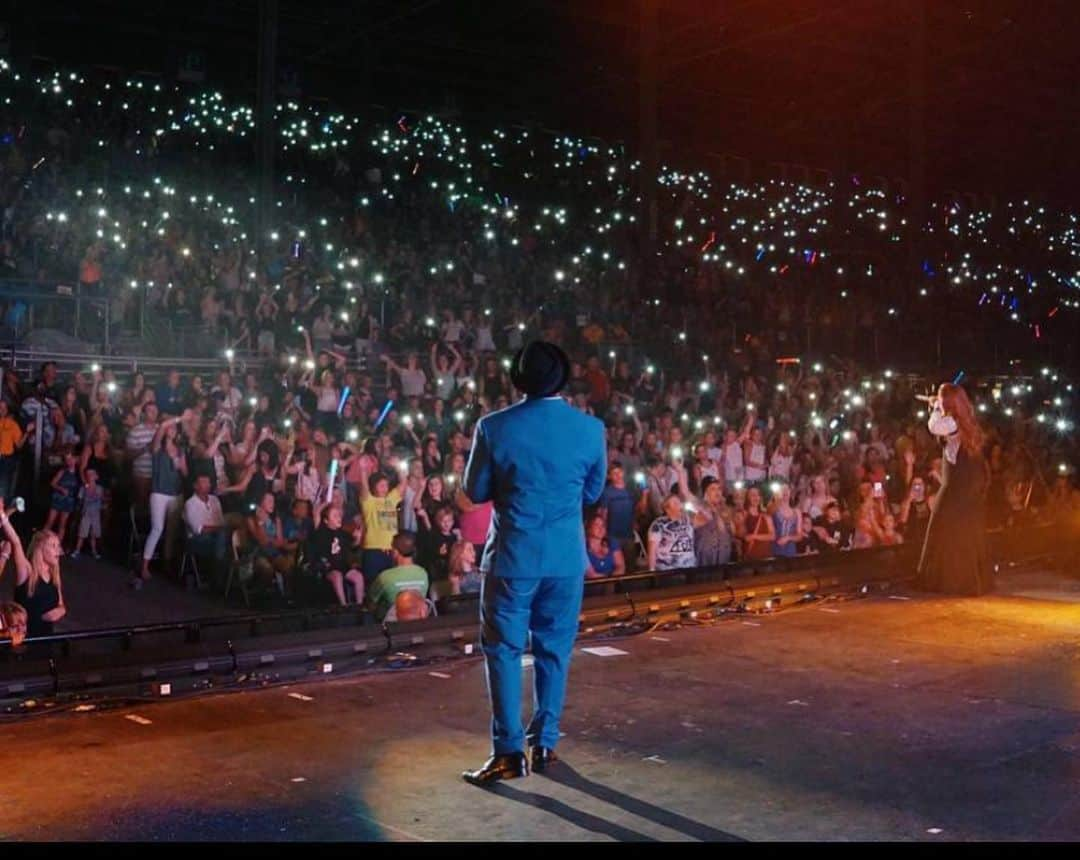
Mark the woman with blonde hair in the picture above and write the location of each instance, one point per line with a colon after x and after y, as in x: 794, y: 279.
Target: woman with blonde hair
x: 954, y: 557
x: 37, y: 576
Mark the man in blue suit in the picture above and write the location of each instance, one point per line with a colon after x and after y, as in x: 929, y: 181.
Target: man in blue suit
x: 539, y: 461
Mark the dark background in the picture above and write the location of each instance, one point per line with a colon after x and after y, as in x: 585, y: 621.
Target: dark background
x: 825, y: 84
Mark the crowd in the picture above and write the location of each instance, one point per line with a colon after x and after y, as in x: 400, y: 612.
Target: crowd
x: 407, y: 267
x: 307, y: 475
x: 143, y: 193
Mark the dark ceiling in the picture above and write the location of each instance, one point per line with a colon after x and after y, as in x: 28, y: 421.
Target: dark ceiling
x: 826, y: 84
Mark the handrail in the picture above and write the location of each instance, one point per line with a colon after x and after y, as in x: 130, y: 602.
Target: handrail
x: 22, y: 355
x: 446, y: 606
x: 657, y: 578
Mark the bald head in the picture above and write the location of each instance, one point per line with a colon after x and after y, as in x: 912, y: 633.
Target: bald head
x: 411, y: 606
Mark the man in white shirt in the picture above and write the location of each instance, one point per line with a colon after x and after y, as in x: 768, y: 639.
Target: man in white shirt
x: 207, y: 534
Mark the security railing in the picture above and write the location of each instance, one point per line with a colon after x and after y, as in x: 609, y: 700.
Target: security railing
x: 30, y: 305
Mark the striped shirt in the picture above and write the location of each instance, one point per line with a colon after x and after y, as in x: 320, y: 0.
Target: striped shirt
x: 139, y: 437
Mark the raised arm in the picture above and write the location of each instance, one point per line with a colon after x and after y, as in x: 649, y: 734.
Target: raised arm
x: 684, y: 488
x: 390, y: 363
x: 939, y: 423
x: 744, y: 433
x: 365, y: 475
x: 317, y: 511
x: 159, y: 434
x: 211, y: 452
x: 240, y: 486
x: 456, y: 364
x: 21, y: 562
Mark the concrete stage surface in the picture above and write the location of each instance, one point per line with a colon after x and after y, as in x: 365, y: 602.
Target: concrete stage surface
x: 900, y: 717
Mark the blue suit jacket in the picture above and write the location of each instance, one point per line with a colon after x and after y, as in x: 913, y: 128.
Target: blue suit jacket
x: 538, y: 461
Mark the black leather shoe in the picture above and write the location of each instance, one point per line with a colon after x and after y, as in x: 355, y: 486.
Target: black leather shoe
x: 508, y: 766
x: 543, y: 758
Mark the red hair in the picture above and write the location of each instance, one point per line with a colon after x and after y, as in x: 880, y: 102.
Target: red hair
x: 955, y: 403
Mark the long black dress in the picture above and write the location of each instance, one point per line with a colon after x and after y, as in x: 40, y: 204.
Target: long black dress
x: 954, y: 556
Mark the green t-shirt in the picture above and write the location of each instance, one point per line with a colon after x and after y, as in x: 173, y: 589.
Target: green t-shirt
x: 391, y: 582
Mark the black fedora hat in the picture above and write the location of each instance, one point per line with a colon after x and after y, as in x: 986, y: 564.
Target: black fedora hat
x: 540, y: 369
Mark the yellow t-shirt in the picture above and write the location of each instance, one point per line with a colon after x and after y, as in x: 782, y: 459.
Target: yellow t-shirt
x: 380, y: 520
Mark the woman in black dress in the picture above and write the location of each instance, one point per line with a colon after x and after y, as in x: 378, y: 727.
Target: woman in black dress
x: 954, y: 557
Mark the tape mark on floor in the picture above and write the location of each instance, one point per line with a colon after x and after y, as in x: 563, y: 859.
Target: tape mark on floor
x: 605, y: 651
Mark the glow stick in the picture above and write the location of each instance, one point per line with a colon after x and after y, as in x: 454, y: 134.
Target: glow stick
x: 333, y: 480
x: 341, y: 403
x: 382, y: 415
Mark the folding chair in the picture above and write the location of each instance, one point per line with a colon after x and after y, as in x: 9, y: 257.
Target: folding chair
x: 137, y: 537
x: 241, y: 568
x: 190, y: 559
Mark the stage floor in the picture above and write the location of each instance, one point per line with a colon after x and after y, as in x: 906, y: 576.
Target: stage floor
x: 878, y: 719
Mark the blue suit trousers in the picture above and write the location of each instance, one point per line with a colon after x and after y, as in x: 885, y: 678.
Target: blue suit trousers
x: 511, y: 609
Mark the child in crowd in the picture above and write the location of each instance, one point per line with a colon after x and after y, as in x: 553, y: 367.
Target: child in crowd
x: 65, y: 494
x: 92, y: 496
x: 464, y: 576
x: 436, y: 545
x: 889, y: 535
